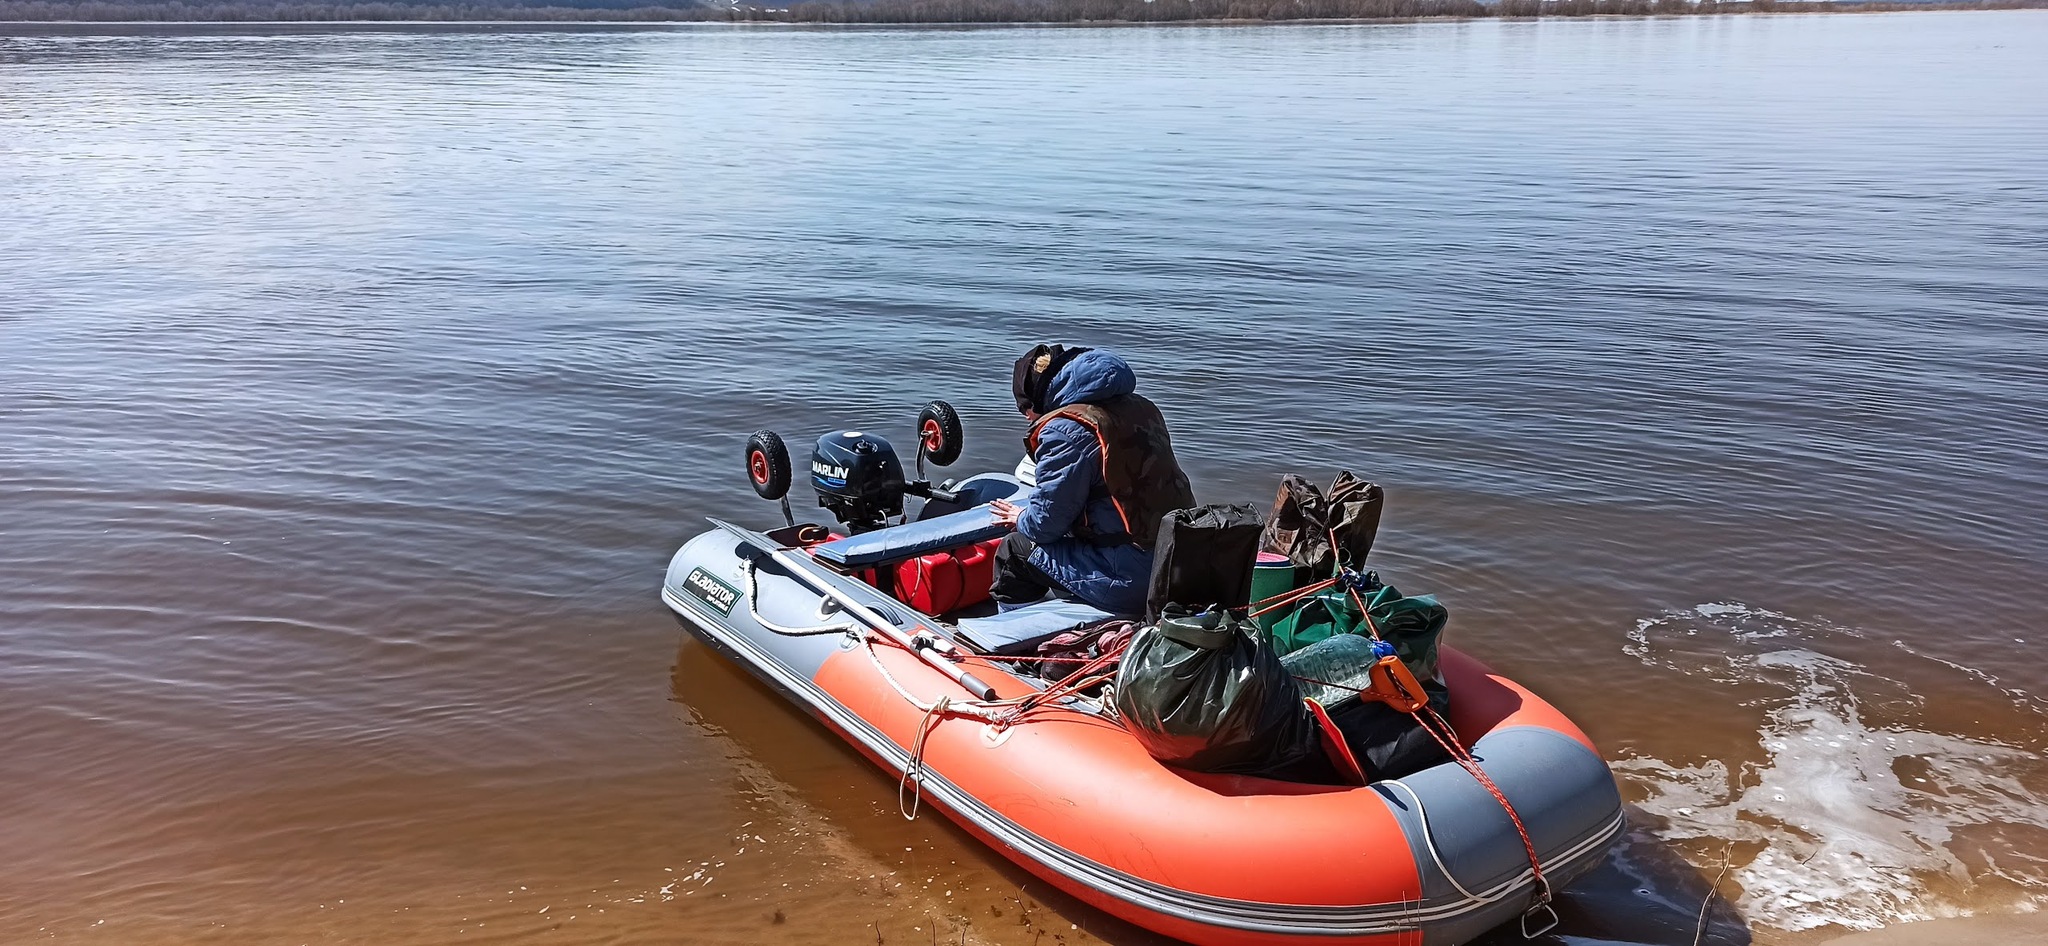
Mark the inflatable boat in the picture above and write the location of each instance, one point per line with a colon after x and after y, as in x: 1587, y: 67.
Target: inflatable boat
x: 861, y: 627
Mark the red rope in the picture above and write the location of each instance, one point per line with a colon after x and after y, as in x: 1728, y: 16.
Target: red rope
x: 1000, y: 658
x: 1286, y: 598
x: 1075, y: 681
x: 1457, y: 750
x: 1471, y: 765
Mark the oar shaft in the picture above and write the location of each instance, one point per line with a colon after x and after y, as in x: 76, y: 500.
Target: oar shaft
x: 886, y: 627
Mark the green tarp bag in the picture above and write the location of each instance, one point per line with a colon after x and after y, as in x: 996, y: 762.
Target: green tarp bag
x: 1206, y: 692
x: 1413, y: 625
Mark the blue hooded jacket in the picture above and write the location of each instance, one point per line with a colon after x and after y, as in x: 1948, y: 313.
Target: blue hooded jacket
x: 1070, y: 486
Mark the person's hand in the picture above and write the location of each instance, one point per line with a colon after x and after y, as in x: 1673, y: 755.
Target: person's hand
x: 1005, y: 512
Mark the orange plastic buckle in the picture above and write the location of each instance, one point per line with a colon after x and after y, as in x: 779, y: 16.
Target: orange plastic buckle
x: 1394, y: 684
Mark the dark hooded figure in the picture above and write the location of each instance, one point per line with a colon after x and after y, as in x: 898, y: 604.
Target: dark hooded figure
x: 1105, y: 475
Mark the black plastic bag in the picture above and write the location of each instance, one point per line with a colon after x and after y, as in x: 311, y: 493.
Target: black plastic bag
x: 1304, y: 518
x: 1387, y: 742
x: 1204, y: 559
x: 1206, y: 692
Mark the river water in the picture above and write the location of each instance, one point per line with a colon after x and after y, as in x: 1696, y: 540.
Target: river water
x: 355, y: 385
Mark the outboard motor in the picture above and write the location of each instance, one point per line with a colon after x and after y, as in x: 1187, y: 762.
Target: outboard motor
x: 857, y: 475
x: 859, y: 478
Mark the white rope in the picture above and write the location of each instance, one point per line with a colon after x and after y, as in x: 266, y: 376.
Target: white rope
x: 1429, y: 842
x: 753, y: 595
x: 970, y: 708
x: 913, y: 774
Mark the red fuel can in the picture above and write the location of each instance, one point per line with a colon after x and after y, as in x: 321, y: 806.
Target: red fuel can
x: 947, y: 581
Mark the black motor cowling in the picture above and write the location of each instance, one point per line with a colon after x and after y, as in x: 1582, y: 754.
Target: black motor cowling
x: 859, y: 478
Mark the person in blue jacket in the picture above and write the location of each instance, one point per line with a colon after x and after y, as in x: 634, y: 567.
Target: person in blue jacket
x: 1105, y: 474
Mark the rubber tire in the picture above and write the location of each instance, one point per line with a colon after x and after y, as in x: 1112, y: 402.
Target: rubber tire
x: 770, y: 475
x: 941, y: 415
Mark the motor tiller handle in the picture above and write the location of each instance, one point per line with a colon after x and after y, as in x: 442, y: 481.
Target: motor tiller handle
x: 931, y: 492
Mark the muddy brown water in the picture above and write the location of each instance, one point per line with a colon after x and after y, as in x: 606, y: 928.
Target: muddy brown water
x: 355, y: 385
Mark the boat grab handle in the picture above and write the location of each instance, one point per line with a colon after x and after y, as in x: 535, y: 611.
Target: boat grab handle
x: 747, y: 567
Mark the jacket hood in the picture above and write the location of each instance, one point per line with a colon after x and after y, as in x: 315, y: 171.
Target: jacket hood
x: 1095, y: 376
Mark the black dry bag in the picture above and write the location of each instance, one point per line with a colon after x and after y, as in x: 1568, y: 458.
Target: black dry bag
x: 1203, y: 559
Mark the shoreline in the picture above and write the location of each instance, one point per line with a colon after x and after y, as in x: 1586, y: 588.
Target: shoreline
x: 781, y: 18
x: 2011, y: 930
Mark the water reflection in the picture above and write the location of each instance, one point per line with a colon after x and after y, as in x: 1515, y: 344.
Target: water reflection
x: 357, y: 382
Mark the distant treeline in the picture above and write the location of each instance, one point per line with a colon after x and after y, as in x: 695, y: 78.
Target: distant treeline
x: 931, y: 11
x: 1166, y: 11
x: 300, y: 11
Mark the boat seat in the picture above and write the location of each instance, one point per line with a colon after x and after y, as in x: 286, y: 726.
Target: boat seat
x: 1019, y: 631
x: 975, y: 523
x: 911, y: 539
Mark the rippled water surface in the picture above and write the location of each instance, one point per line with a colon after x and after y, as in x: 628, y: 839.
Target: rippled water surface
x: 356, y: 384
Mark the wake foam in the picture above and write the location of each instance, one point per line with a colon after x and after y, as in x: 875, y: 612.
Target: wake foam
x: 1843, y: 823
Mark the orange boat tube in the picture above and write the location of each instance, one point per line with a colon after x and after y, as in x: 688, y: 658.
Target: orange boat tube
x: 1066, y: 793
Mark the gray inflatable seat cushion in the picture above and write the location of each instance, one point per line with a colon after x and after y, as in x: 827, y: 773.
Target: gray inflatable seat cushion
x: 1020, y: 630
x: 911, y: 539
x: 926, y: 535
